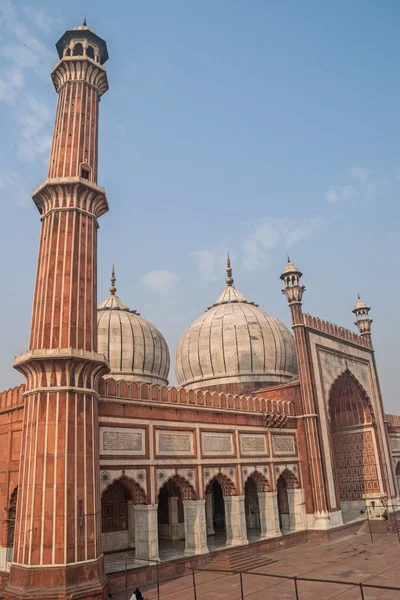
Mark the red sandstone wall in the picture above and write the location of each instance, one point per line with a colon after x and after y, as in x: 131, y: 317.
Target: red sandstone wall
x: 11, y: 417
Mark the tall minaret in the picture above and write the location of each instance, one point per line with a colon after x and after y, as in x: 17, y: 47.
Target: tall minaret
x: 57, y: 545
x: 293, y: 290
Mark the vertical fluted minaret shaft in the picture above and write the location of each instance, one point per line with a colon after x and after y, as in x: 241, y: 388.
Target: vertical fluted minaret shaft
x: 57, y: 543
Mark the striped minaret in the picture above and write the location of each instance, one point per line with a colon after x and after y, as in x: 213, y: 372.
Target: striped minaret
x: 57, y: 544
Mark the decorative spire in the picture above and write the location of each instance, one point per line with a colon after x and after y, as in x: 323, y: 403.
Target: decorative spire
x: 113, y: 289
x: 229, y: 278
x: 358, y: 295
x: 288, y: 258
x: 84, y: 22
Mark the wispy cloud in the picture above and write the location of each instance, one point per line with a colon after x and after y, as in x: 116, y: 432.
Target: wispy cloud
x: 211, y: 264
x: 365, y: 184
x: 43, y: 19
x: 34, y: 140
x: 24, y: 54
x: 341, y: 193
x: 162, y: 282
x: 274, y: 232
x: 13, y: 188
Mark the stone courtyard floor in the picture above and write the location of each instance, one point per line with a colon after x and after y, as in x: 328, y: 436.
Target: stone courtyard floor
x: 351, y: 559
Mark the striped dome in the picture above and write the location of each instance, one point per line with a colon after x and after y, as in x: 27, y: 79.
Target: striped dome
x: 135, y: 349
x: 234, y: 341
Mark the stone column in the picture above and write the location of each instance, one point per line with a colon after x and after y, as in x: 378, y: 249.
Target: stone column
x: 210, y: 514
x: 195, y: 527
x: 235, y: 521
x: 269, y: 514
x: 131, y: 524
x: 297, y: 509
x: 398, y: 484
x: 146, y: 531
x: 173, y: 518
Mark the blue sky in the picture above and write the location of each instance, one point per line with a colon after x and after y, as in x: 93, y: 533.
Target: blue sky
x: 256, y: 127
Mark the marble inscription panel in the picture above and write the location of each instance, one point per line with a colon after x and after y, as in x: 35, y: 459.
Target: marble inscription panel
x: 174, y: 443
x: 217, y: 444
x: 283, y: 445
x: 253, y: 444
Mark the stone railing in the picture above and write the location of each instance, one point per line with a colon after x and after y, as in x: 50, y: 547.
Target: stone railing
x: 335, y: 330
x: 154, y: 393
x: 12, y: 397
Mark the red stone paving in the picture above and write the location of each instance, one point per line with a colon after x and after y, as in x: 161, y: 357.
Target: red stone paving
x: 349, y: 559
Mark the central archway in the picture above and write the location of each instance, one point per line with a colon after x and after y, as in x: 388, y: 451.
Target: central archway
x: 353, y: 440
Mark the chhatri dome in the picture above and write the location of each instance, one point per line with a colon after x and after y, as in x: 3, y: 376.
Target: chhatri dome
x: 135, y: 349
x: 235, y: 346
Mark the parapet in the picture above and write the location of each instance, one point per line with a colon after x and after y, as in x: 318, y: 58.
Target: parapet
x: 336, y: 331
x: 180, y: 396
x: 12, y: 397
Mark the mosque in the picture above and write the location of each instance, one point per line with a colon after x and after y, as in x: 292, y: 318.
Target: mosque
x: 271, y: 433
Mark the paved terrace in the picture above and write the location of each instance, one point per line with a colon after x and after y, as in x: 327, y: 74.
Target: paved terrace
x: 352, y: 558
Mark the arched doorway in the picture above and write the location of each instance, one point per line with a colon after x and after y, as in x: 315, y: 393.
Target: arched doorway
x: 118, y: 520
x: 171, y: 522
x: 221, y: 492
x: 252, y: 506
x: 353, y: 440
x: 218, y: 507
x: 283, y: 504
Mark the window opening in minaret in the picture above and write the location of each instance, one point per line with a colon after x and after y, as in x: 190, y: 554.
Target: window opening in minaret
x: 90, y: 52
x: 78, y: 50
x: 85, y: 174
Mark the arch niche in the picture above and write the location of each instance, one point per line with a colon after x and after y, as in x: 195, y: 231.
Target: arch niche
x: 171, y: 519
x: 354, y: 445
x: 255, y: 484
x: 118, y: 520
x: 287, y: 482
x: 217, y: 489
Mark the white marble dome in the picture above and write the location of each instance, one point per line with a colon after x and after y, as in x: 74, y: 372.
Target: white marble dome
x: 234, y: 341
x: 135, y: 349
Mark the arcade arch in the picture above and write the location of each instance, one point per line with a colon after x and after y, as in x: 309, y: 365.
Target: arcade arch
x: 117, y: 512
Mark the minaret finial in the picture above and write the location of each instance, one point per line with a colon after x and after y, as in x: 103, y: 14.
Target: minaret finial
x: 84, y: 22
x: 358, y: 295
x: 288, y: 258
x: 229, y: 278
x: 113, y: 289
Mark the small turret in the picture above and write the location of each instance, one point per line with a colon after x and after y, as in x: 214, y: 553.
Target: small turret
x: 363, y: 320
x: 293, y: 289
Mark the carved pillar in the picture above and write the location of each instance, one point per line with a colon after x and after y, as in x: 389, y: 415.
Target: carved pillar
x: 297, y: 513
x: 209, y: 514
x: 195, y: 527
x: 146, y: 531
x: 131, y: 524
x: 235, y: 521
x: 173, y: 518
x: 269, y: 514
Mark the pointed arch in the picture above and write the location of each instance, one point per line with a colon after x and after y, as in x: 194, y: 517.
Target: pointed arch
x: 227, y: 485
x: 136, y: 492
x: 260, y: 481
x: 289, y: 478
x: 185, y: 487
x: 349, y: 404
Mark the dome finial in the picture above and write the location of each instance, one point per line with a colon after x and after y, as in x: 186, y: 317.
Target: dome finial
x: 288, y: 258
x: 229, y: 278
x: 84, y: 22
x: 113, y: 289
x: 358, y: 295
